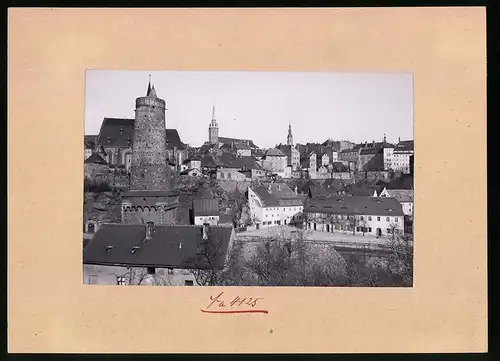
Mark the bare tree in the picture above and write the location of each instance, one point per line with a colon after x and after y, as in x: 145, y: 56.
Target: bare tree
x: 400, y: 260
x: 208, y: 266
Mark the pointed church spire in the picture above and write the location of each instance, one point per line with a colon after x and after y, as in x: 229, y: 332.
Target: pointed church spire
x: 152, y: 92
x: 149, y: 86
x: 213, y: 110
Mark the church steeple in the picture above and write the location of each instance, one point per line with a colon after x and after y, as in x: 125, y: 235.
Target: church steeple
x: 289, y: 138
x: 151, y: 89
x: 213, y: 128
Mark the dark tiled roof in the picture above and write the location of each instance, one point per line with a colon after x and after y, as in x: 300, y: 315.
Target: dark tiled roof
x: 120, y: 132
x: 116, y: 132
x: 280, y: 195
x: 339, y: 167
x: 95, y: 159
x: 403, y: 182
x: 89, y: 141
x: 406, y: 145
x: 402, y: 195
x: 206, y: 207
x: 243, y: 162
x: 356, y: 190
x: 169, y: 246
x: 273, y: 152
x: 366, y: 151
x: 374, y: 206
x: 285, y: 149
x: 208, y: 161
x: 226, y: 140
x: 173, y: 139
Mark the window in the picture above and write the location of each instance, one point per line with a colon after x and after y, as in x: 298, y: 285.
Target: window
x: 378, y: 219
x: 369, y: 218
x: 388, y: 230
x: 369, y: 229
x: 361, y: 218
x: 170, y: 271
x: 396, y: 219
x: 188, y: 283
x: 388, y: 219
x: 151, y: 270
x: 120, y: 281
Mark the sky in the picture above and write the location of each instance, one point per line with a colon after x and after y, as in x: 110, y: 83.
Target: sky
x: 255, y: 105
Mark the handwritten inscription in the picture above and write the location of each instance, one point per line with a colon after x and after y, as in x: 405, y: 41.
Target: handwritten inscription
x: 238, y: 304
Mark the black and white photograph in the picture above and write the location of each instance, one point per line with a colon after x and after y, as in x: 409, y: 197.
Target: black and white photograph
x: 248, y: 178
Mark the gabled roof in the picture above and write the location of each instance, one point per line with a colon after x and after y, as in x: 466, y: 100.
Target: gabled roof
x: 116, y: 132
x: 226, y: 140
x: 119, y: 132
x: 208, y: 161
x: 173, y: 139
x: 285, y: 149
x: 402, y: 195
x: 354, y: 205
x: 95, y: 159
x: 240, y: 162
x: 276, y: 195
x: 273, y: 152
x: 206, y: 207
x: 169, y: 246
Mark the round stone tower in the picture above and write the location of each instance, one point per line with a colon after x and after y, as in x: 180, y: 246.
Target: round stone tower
x: 213, y: 129
x: 149, y: 167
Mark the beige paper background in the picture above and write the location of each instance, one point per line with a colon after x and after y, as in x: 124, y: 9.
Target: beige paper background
x: 50, y: 310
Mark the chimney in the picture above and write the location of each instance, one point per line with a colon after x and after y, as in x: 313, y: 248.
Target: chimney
x: 205, y: 231
x: 149, y: 230
x: 373, y: 143
x: 399, y: 139
x: 366, y: 143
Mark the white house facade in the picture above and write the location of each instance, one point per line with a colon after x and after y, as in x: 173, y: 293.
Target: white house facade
x: 355, y: 215
x: 274, y: 204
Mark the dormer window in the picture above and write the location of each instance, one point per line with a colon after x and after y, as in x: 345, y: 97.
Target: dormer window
x: 135, y: 249
x: 108, y: 249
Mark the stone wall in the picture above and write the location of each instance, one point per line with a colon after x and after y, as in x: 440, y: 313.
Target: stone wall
x: 149, y: 170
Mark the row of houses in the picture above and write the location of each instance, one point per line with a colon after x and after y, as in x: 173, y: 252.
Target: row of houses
x: 331, y: 206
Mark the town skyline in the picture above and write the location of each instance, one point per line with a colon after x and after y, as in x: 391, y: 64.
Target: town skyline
x: 332, y: 99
